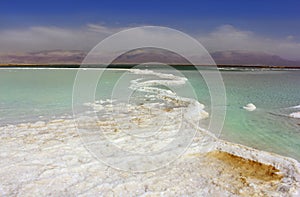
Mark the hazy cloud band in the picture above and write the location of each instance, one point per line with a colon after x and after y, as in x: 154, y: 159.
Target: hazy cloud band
x: 223, y: 38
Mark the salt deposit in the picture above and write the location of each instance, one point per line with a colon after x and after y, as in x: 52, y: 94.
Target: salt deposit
x: 51, y: 160
x: 250, y: 107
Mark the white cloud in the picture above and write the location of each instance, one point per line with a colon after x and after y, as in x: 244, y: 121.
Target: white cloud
x: 225, y: 37
x: 51, y: 38
x: 228, y: 37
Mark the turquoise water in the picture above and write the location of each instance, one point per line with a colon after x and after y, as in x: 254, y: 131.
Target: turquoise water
x: 272, y: 93
x: 33, y: 94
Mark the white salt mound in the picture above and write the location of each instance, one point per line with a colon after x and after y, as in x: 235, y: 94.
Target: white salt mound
x: 250, y: 107
x: 295, y: 114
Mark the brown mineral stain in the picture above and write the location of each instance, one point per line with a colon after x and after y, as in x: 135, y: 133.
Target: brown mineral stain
x: 168, y: 109
x: 247, y: 168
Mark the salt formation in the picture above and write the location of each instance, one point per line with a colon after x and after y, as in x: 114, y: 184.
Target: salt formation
x: 49, y: 159
x: 250, y: 107
x: 295, y: 115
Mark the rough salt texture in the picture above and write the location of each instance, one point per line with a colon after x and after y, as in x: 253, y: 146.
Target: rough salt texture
x: 49, y: 159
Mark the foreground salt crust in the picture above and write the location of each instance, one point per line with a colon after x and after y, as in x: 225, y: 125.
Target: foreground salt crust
x: 48, y: 158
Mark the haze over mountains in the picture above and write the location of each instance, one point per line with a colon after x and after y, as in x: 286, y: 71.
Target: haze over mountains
x: 237, y: 57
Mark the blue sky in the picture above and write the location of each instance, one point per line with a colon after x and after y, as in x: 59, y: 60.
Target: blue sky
x: 275, y: 20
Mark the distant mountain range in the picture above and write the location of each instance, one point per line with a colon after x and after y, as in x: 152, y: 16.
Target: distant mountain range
x: 251, y: 58
x: 246, y: 58
x: 44, y: 57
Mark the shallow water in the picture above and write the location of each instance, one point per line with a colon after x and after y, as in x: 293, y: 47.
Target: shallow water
x: 32, y: 94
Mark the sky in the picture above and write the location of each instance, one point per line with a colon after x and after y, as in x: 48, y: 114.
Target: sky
x: 269, y: 26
